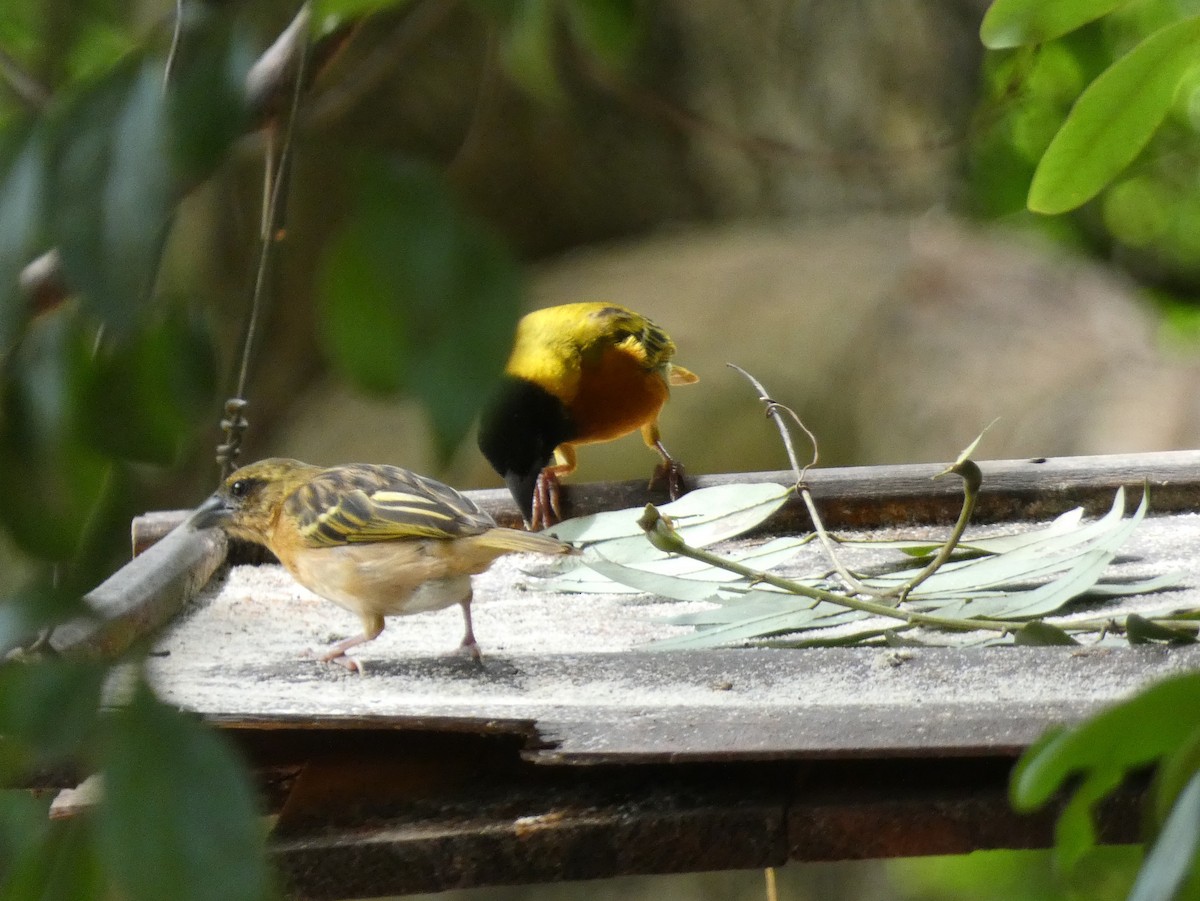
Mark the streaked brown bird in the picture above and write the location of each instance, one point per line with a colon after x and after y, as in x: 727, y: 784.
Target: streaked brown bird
x: 377, y: 540
x: 580, y: 373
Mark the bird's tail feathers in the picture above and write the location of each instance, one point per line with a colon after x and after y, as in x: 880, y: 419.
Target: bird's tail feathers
x: 516, y: 541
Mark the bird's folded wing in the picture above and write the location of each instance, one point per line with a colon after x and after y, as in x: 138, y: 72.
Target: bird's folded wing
x: 399, y: 508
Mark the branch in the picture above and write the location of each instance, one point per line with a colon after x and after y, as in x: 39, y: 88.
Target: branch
x: 662, y: 535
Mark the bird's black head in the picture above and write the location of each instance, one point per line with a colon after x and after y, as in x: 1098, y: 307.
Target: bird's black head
x: 522, y: 425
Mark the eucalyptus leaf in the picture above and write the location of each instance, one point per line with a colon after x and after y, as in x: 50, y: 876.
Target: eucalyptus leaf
x: 800, y: 617
x: 702, y: 517
x: 1034, y: 602
x: 586, y: 578
x: 1080, y: 572
x: 1110, y: 589
x: 759, y: 604
x: 841, y: 639
x: 1040, y: 634
x: 995, y: 544
x: 675, y: 587
x: 1140, y: 630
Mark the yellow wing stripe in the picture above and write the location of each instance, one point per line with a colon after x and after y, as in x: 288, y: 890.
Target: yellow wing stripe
x: 398, y: 497
x: 365, y: 503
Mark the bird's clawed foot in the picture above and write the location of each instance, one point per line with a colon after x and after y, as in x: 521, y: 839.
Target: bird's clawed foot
x: 669, y: 470
x: 547, y: 501
x: 351, y: 663
x: 471, y: 650
x: 337, y: 654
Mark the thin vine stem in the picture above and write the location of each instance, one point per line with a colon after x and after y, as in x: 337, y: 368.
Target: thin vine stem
x: 277, y: 178
x: 963, y: 467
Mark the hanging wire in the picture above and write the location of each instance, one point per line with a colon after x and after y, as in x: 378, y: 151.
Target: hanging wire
x: 234, y: 422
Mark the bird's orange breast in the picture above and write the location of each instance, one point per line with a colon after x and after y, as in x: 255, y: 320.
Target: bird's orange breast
x: 616, y: 395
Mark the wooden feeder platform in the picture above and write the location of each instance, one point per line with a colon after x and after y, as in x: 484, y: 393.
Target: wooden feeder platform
x: 576, y: 751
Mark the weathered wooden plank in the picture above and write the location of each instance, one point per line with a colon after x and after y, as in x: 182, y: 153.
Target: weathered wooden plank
x: 143, y: 595
x: 750, y: 704
x: 873, y: 496
x: 510, y: 824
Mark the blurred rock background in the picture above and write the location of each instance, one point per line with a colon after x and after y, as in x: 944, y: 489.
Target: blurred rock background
x: 776, y: 184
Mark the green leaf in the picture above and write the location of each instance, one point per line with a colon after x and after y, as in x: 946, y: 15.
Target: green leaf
x: 1114, y: 119
x: 1129, y: 735
x: 53, y: 482
x: 1079, y: 568
x: 330, y: 14
x: 207, y: 96
x: 1075, y: 830
x: 34, y: 606
x: 608, y: 28
x: 24, y: 825
x: 417, y: 296
x: 1140, y: 630
x: 147, y: 393
x: 587, y: 578
x: 50, y: 708
x: 111, y: 190
x: 178, y: 819
x: 1040, y: 634
x: 702, y: 517
x: 793, y: 615
x: 1175, y: 853
x: 61, y: 863
x: 528, y: 45
x: 1173, y: 774
x: 22, y: 186
x: 1016, y: 23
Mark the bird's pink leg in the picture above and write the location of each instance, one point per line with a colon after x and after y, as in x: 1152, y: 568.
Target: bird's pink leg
x: 372, y: 626
x: 468, y: 643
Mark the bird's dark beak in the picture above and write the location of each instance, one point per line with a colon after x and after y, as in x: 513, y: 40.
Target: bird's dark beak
x: 213, y: 512
x: 521, y: 486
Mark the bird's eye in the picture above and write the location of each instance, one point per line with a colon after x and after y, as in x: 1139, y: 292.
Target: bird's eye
x: 240, y: 488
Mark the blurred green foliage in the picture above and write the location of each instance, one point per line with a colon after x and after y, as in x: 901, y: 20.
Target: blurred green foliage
x: 1092, y: 106
x: 1159, y: 727
x: 415, y: 295
x: 110, y: 114
x: 1099, y: 100
x: 1014, y: 876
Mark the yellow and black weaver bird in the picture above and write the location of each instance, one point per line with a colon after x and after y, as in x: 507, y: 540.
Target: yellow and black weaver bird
x: 580, y: 373
x: 378, y: 540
